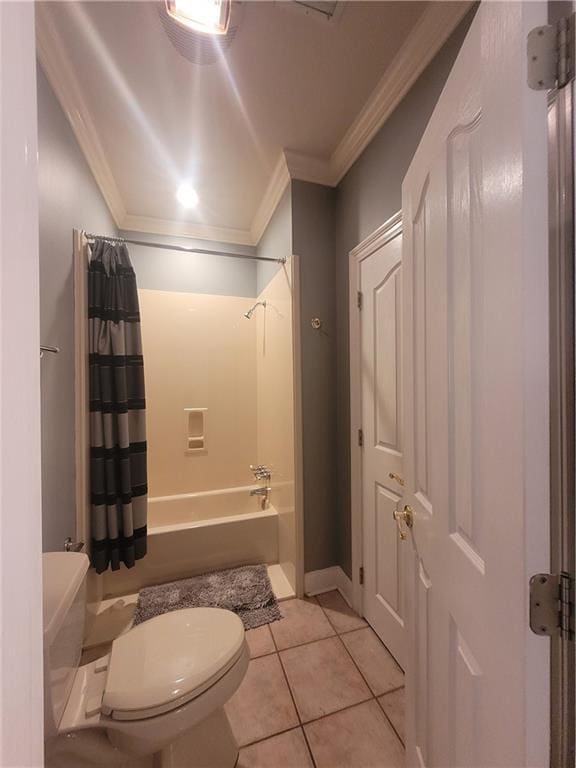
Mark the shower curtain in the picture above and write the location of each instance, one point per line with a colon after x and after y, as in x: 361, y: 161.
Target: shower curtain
x: 118, y: 475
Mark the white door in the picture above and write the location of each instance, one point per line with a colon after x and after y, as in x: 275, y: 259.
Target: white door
x: 380, y: 329
x: 475, y: 337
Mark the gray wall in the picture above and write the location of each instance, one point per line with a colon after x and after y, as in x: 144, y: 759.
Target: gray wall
x: 367, y: 196
x: 303, y: 224
x: 313, y: 242
x: 68, y: 198
x: 276, y: 242
x: 165, y: 270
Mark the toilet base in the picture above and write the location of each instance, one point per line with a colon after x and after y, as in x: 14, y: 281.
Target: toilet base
x: 91, y: 748
x: 210, y: 744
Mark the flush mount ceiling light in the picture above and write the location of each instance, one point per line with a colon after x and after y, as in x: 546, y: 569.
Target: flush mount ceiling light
x: 208, y: 16
x: 187, y: 196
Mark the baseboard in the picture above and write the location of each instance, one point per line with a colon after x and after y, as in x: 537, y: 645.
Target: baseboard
x: 326, y: 580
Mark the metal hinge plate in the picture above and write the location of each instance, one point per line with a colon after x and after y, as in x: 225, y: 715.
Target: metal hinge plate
x: 361, y: 574
x: 360, y: 438
x: 552, y: 605
x: 551, y: 54
x: 359, y: 299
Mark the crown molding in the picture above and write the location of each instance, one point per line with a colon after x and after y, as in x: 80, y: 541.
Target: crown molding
x: 276, y: 186
x: 430, y: 33
x: 150, y: 224
x: 56, y: 65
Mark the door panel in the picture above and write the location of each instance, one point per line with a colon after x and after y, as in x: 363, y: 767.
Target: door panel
x: 387, y: 579
x: 380, y: 328
x: 476, y: 403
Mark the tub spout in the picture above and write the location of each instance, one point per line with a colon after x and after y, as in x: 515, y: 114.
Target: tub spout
x: 263, y: 492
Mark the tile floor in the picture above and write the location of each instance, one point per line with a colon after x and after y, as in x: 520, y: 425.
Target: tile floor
x: 321, y: 691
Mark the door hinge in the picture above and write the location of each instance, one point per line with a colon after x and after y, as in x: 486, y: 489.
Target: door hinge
x: 361, y: 575
x: 360, y: 438
x: 359, y: 299
x: 551, y: 54
x: 552, y: 605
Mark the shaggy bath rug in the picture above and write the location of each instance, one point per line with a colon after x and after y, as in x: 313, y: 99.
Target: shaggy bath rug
x: 246, y: 591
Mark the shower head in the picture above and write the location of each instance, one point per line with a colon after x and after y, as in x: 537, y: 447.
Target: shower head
x: 248, y: 315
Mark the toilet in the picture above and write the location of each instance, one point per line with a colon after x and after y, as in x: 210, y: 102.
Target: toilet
x: 157, y: 699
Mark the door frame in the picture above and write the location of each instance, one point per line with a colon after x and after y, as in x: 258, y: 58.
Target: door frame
x: 562, y: 409
x: 21, y: 640
x: 391, y: 229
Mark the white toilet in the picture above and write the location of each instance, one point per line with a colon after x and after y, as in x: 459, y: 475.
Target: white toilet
x: 160, y: 691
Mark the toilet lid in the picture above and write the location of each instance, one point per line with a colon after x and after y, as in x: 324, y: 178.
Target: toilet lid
x: 168, y: 660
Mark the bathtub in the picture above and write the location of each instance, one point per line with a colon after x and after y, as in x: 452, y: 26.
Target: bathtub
x: 192, y: 509
x: 193, y: 533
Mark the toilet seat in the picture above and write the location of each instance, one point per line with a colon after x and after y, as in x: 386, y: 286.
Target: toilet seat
x: 169, y: 660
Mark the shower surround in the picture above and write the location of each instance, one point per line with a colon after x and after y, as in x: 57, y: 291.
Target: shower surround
x: 220, y: 397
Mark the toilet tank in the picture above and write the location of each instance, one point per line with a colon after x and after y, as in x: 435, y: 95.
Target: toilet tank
x: 64, y: 591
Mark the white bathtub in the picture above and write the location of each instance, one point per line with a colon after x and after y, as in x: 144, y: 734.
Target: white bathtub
x: 198, y: 532
x: 193, y: 509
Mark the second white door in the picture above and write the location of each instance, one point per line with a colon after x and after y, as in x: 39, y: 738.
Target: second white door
x: 380, y: 283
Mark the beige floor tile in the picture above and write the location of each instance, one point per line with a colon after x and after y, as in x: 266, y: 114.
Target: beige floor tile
x: 341, y: 616
x: 260, y: 641
x: 394, y: 706
x: 376, y: 664
x: 323, y: 678
x: 303, y: 622
x: 288, y: 750
x: 359, y: 737
x: 262, y: 706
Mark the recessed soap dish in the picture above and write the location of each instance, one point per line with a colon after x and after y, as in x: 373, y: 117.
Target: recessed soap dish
x: 195, y: 423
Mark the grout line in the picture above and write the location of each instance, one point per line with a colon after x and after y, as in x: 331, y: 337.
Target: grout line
x: 302, y: 724
x: 362, y: 675
x: 263, y: 655
x: 337, y: 711
x: 357, y: 629
x: 344, y: 631
x: 348, y: 706
x: 293, y: 701
x: 309, y: 747
x: 271, y: 736
x: 388, y: 718
x: 352, y: 657
x: 392, y: 690
x: 306, y: 642
x: 371, y: 697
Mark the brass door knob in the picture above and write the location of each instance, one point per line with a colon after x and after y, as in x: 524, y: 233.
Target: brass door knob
x: 404, y: 517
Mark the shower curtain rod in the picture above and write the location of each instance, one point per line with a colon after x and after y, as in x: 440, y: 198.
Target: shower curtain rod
x: 184, y: 248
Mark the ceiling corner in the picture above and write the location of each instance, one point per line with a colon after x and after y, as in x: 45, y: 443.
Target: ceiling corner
x: 308, y: 168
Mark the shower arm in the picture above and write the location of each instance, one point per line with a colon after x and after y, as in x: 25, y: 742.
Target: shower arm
x: 248, y: 315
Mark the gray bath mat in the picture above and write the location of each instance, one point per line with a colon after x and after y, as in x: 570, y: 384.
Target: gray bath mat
x: 246, y: 591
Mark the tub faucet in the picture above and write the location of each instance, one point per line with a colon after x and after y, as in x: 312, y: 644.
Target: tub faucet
x: 263, y: 492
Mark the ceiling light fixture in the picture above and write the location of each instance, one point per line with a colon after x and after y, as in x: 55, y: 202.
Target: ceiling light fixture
x: 209, y: 16
x: 187, y: 196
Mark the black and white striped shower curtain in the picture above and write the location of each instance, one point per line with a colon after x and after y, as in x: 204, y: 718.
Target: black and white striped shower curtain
x: 118, y: 474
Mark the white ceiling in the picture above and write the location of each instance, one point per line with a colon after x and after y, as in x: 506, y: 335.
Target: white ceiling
x: 148, y: 119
